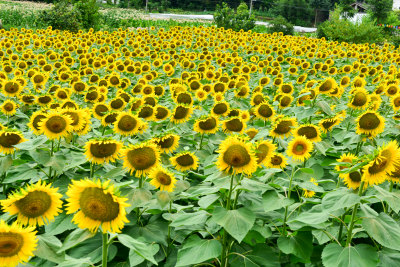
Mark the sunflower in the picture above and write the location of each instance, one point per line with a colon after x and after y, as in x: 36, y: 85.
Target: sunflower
x: 309, y: 193
x: 264, y: 150
x: 102, y: 151
x: 310, y: 131
x: 370, y: 123
x: 141, y: 158
x: 282, y: 127
x: 379, y: 169
x: 352, y: 179
x: 234, y: 124
x: 8, y: 139
x: 395, y: 102
x: 167, y: 143
x: 161, y: 113
x: 109, y: 118
x: 184, y: 161
x: 9, y: 107
x: 162, y: 178
x: 359, y: 99
x: 127, y: 124
x: 36, y: 204
x: 327, y: 124
x: 55, y: 125
x: 251, y: 132
x: 394, y: 176
x: 299, y: 148
x: 207, y: 125
x: 220, y: 108
x: 11, y: 88
x: 264, y: 111
x: 96, y: 204
x: 349, y: 158
x: 100, y: 110
x: 278, y: 161
x: 238, y: 155
x: 327, y: 86
x: 181, y: 113
x: 77, y: 118
x: 17, y: 243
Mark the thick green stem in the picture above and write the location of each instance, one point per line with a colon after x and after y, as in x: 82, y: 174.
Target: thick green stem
x: 140, y: 182
x: 105, y: 250
x: 353, y: 216
x: 225, y: 250
x: 201, y: 141
x: 91, y: 170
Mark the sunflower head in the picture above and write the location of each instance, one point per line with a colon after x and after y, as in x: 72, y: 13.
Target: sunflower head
x: 236, y: 155
x: 264, y: 111
x: 55, y: 125
x: 348, y: 158
x: 309, y: 193
x: 102, y: 151
x: 278, y: 161
x: 207, y: 124
x: 220, y: 108
x: 36, y: 204
x: 127, y: 124
x: 327, y: 124
x: 234, y: 124
x: 310, y: 131
x: 184, y: 161
x: 17, y: 243
x: 299, y: 148
x: 359, y: 99
x: 8, y: 139
x: 370, y: 123
x: 264, y: 150
x: 167, y: 143
x: 141, y: 158
x: 9, y: 107
x: 283, y: 126
x: 96, y: 204
x: 162, y: 178
x: 181, y: 113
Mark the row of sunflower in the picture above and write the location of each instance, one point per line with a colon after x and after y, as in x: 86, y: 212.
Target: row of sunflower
x: 210, y: 118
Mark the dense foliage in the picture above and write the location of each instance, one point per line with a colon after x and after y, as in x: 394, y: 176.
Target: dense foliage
x: 197, y: 146
x: 237, y: 20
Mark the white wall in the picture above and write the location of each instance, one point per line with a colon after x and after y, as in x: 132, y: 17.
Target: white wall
x: 396, y: 4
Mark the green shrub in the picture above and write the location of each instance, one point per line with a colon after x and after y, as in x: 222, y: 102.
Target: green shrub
x: 280, y: 24
x: 229, y: 19
x: 89, y: 13
x: 342, y: 30
x: 62, y: 16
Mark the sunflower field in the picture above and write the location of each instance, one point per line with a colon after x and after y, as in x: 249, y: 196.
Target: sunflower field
x: 197, y: 146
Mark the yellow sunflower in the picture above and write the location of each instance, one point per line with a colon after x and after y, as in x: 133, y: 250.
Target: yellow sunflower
x: 264, y: 150
x: 167, y: 143
x: 161, y: 113
x: 102, y: 151
x: 299, y: 148
x: 370, y: 123
x: 251, y: 132
x: 326, y: 86
x: 181, y: 113
x: 55, y: 125
x: 378, y: 169
x: 359, y: 99
x: 36, y: 117
x: 310, y: 131
x: 236, y: 155
x: 141, y: 158
x: 17, y: 243
x: 220, y: 108
x: 395, y: 102
x: 9, y: 107
x: 327, y: 124
x: 127, y: 124
x: 206, y: 124
x: 234, y: 124
x: 184, y: 161
x: 264, y: 111
x: 36, y: 204
x: 96, y: 204
x: 76, y: 116
x: 278, y: 161
x: 11, y: 88
x: 162, y: 178
x: 309, y: 193
x: 283, y: 126
x: 8, y: 139
x: 394, y: 176
x: 349, y: 158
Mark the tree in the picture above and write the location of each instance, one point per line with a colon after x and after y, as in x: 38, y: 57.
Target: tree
x: 318, y: 5
x: 380, y: 9
x: 347, y: 10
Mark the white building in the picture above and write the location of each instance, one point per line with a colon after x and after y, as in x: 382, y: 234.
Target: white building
x: 396, y: 4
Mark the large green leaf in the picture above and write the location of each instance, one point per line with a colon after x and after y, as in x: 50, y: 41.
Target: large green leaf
x: 74, y: 238
x: 61, y: 223
x: 142, y: 249
x: 384, y: 229
x: 136, y: 259
x: 261, y: 255
x: 48, y: 247
x: 389, y: 257
x: 273, y: 201
x: 362, y: 255
x: 182, y: 219
x: 196, y: 250
x: 236, y: 222
x: 339, y: 199
x: 299, y: 244
x: 392, y: 198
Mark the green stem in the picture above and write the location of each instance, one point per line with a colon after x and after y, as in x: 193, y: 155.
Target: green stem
x: 91, y: 170
x: 288, y: 196
x: 105, y: 250
x: 225, y: 250
x: 59, y: 142
x: 353, y: 216
x: 201, y: 141
x: 140, y: 182
x: 104, y: 130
